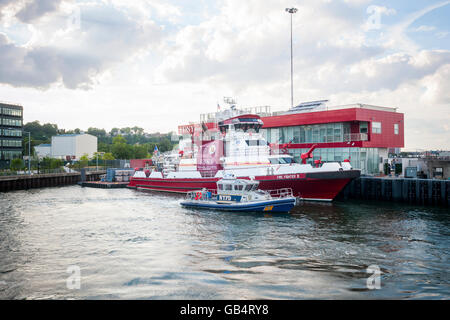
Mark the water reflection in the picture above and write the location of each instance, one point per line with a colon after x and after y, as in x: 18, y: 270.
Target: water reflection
x: 133, y: 245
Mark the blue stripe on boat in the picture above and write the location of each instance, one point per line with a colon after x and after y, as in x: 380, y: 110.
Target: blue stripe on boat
x: 282, y: 205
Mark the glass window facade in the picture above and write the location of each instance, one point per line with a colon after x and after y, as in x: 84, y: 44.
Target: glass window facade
x: 10, y: 155
x: 365, y: 159
x: 11, y: 133
x: 11, y: 112
x: 318, y: 133
x: 12, y: 122
x: 11, y: 143
x: 396, y: 129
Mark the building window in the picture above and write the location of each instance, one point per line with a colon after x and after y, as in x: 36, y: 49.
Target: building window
x: 331, y: 132
x: 11, y: 133
x: 396, y: 128
x: 12, y: 112
x: 12, y: 143
x: 10, y: 155
x: 363, y: 127
x: 12, y: 122
x: 376, y: 127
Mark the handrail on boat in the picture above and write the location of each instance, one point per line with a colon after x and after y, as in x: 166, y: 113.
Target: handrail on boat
x: 281, y: 193
x: 201, y: 195
x: 209, y: 194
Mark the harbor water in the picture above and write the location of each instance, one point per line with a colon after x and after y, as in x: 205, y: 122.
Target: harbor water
x: 81, y: 243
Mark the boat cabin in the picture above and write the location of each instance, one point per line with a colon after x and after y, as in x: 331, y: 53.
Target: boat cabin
x: 236, y: 186
x: 243, y: 123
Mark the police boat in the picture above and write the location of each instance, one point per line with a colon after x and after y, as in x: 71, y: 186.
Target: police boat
x: 241, y: 195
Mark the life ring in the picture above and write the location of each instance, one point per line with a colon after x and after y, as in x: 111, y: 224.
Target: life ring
x: 198, y: 196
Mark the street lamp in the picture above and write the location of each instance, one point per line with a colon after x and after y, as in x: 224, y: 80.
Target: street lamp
x: 29, y: 152
x: 291, y: 11
x: 102, y: 154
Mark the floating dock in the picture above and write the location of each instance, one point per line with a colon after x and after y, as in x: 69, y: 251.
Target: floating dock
x: 103, y: 184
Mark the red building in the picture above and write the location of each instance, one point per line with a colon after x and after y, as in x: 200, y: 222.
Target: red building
x: 361, y: 133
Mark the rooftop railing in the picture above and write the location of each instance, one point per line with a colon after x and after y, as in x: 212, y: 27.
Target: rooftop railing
x: 265, y: 111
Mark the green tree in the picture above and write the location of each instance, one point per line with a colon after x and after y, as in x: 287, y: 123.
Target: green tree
x: 104, y: 147
x: 165, y: 145
x: 108, y: 156
x: 119, y: 139
x: 56, y: 163
x: 99, y: 133
x: 120, y: 148
x: 140, y: 151
x: 16, y: 164
x: 114, y: 132
x: 84, y: 160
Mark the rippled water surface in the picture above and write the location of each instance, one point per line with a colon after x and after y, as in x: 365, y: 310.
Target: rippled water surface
x: 132, y: 245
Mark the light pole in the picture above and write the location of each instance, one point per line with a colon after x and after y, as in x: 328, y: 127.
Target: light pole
x: 291, y: 11
x: 102, y: 154
x: 29, y: 152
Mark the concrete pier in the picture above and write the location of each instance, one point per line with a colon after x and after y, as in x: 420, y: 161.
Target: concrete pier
x: 26, y: 182
x: 412, y: 191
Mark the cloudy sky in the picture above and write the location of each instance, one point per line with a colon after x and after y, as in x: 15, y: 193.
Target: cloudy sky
x: 160, y: 63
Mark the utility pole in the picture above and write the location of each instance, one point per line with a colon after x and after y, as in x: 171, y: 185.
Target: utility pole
x: 291, y: 11
x: 29, y: 152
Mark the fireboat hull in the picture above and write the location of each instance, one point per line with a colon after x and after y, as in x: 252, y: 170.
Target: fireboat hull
x: 317, y: 186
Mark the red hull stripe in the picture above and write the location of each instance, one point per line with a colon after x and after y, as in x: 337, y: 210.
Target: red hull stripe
x: 162, y: 187
x: 160, y: 190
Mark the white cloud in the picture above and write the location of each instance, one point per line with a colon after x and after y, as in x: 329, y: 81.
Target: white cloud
x: 423, y: 28
x: 36, y: 9
x: 75, y: 57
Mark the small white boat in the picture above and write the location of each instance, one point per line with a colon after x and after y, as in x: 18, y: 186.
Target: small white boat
x: 241, y: 195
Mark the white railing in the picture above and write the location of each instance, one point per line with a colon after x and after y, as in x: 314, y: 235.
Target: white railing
x: 201, y: 195
x: 208, y: 194
x: 266, y: 111
x: 348, y: 137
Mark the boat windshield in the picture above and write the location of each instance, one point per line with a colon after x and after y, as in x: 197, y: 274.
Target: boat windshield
x: 251, y: 187
x: 285, y: 160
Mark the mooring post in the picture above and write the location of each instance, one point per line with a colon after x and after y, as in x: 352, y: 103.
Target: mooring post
x: 83, y: 175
